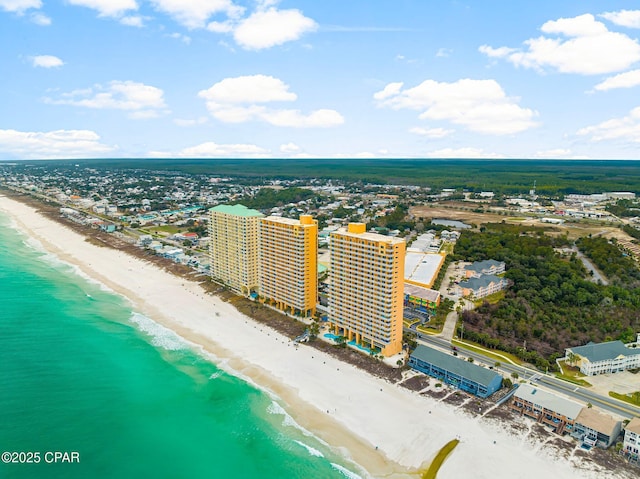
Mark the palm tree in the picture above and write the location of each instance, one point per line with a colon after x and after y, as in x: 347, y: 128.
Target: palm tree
x: 572, y: 358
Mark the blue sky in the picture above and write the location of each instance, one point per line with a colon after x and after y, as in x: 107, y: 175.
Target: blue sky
x: 319, y: 78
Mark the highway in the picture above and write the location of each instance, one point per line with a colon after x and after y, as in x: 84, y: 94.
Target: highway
x: 578, y: 393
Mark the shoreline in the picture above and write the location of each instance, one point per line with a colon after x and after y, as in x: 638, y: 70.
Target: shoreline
x: 385, y: 429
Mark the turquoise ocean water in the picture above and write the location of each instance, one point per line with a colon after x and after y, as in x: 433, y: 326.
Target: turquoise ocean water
x: 80, y: 371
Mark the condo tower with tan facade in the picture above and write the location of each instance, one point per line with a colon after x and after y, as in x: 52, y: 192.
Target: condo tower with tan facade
x: 233, y: 247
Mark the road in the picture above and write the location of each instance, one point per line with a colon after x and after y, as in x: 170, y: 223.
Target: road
x: 595, y: 273
x: 578, y: 393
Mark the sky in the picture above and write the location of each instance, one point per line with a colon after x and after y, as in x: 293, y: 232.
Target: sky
x: 319, y: 79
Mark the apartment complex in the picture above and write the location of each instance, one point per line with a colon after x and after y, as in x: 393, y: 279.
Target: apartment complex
x: 546, y: 408
x: 367, y: 288
x: 233, y: 247
x: 288, y: 263
x: 455, y: 371
x: 605, y: 358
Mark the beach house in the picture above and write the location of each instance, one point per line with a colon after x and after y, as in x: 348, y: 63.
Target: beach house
x: 455, y: 371
x: 631, y: 442
x: 546, y: 408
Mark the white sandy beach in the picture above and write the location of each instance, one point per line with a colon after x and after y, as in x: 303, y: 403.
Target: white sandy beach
x: 364, y: 412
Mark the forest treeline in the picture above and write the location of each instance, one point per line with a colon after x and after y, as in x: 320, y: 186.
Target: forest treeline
x: 268, y: 198
x: 550, y: 304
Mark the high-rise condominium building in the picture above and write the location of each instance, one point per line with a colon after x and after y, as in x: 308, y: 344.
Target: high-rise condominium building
x: 289, y: 263
x: 366, y: 292
x: 233, y: 247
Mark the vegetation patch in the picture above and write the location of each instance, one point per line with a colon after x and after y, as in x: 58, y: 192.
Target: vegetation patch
x: 443, y: 453
x: 631, y: 398
x: 550, y: 304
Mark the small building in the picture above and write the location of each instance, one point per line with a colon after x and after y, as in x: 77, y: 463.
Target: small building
x: 482, y: 286
x: 479, y: 268
x: 546, y: 408
x: 631, y: 443
x: 595, y: 428
x: 422, y: 299
x: 605, y: 358
x: 455, y: 371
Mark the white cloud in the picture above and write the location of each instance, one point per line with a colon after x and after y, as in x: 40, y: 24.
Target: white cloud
x: 46, y: 61
x: 290, y: 148
x: 187, y: 123
x: 392, y: 89
x: 294, y: 118
x: 195, y: 13
x: 40, y: 19
x: 480, y: 105
x: 431, y: 132
x: 214, y: 150
x: 444, y: 52
x: 248, y: 89
x: 142, y: 101
x: 179, y: 36
x: 133, y: 21
x: 589, y: 49
x: 220, y: 27
x: 271, y: 27
x: 624, y: 18
x: 107, y: 8
x: 19, y: 6
x: 242, y: 99
x: 626, y: 128
x: 554, y: 153
x: 466, y: 152
x: 52, y: 144
x: 623, y: 80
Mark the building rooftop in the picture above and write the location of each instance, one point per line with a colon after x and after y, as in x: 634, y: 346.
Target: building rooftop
x: 634, y: 425
x: 455, y: 365
x: 479, y: 266
x: 596, y: 420
x: 548, y: 401
x: 595, y: 352
x: 420, y: 292
x: 422, y: 268
x: 236, y: 210
x: 370, y: 236
x: 481, y: 282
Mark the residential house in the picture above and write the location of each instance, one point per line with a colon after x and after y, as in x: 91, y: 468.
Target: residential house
x: 631, y: 443
x: 595, y: 428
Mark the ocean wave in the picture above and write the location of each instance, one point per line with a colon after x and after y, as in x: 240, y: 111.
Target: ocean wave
x: 310, y: 450
x: 216, y: 375
x: 161, y: 337
x: 277, y: 409
x: 345, y: 472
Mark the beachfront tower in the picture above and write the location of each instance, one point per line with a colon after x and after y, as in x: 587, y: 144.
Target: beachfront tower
x: 366, y: 292
x: 289, y: 264
x: 233, y: 247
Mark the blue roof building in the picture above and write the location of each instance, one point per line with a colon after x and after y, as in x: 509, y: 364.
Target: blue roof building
x: 457, y: 372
